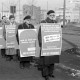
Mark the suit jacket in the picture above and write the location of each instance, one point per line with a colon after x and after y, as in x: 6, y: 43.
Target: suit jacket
x: 47, y: 59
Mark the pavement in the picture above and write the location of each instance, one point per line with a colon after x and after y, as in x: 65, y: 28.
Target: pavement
x: 9, y: 70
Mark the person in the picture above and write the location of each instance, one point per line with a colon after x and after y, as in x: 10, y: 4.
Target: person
x: 11, y: 52
x: 46, y: 63
x: 3, y: 22
x: 25, y: 61
x: 2, y: 49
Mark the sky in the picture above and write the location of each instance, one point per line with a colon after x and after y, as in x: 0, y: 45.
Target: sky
x: 52, y: 4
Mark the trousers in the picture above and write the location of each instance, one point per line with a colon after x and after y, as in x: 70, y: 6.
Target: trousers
x: 47, y: 70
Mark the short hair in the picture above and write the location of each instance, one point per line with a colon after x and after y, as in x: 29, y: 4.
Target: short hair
x: 3, y: 16
x: 50, y: 11
x: 27, y: 17
x: 11, y: 16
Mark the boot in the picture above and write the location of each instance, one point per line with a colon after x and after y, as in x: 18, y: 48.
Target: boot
x: 51, y: 76
x: 22, y: 65
x: 47, y: 78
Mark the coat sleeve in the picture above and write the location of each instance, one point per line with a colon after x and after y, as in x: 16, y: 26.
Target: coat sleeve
x: 4, y: 32
x: 39, y: 37
x: 19, y: 27
x: 39, y: 34
x: 17, y: 37
x: 33, y: 27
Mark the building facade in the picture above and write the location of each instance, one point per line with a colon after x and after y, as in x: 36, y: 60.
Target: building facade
x: 34, y: 11
x: 43, y: 14
x: 59, y: 13
x: 74, y: 7
x: 72, y: 12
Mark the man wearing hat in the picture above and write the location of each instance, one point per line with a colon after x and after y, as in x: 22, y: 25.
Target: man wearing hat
x: 46, y: 63
x: 25, y: 61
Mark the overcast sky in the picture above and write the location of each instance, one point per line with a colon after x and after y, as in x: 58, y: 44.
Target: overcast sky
x: 52, y: 4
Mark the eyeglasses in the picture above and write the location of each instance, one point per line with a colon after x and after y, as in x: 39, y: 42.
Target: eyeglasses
x: 51, y: 15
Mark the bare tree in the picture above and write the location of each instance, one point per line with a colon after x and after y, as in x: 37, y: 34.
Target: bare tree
x: 32, y: 2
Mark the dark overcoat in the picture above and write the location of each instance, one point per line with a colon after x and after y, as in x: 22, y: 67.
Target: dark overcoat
x: 24, y: 26
x: 46, y: 60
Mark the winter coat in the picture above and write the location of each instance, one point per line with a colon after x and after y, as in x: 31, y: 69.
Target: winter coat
x: 24, y: 26
x: 46, y: 60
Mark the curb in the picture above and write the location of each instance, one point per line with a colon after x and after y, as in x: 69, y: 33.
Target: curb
x: 70, y: 71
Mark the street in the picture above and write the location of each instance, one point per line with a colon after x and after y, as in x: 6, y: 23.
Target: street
x: 10, y: 70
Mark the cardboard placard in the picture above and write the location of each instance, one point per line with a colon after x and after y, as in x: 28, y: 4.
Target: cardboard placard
x: 11, y: 41
x: 51, y: 39
x: 2, y: 40
x: 27, y: 42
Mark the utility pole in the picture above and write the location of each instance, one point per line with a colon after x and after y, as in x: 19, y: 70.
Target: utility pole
x: 64, y: 9
x: 32, y: 6
x: 79, y: 14
x: 2, y: 8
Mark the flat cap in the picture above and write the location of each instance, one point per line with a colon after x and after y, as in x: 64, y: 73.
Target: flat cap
x: 27, y: 17
x: 50, y: 11
x: 11, y: 16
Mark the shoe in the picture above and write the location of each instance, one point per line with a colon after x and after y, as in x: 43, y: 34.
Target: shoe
x: 15, y: 58
x: 46, y: 78
x: 3, y: 56
x: 22, y: 66
x: 51, y: 76
x: 40, y: 69
x: 27, y: 65
x: 8, y: 59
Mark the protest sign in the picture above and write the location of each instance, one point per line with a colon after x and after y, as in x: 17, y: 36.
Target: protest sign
x: 11, y: 41
x: 27, y: 42
x: 51, y: 39
x: 2, y: 40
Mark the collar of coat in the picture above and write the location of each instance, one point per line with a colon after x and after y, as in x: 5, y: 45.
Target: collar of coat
x: 48, y: 20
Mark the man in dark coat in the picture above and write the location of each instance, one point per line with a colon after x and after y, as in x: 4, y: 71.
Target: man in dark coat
x: 25, y: 61
x: 46, y: 63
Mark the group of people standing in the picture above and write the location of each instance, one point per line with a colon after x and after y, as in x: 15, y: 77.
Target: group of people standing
x: 44, y: 63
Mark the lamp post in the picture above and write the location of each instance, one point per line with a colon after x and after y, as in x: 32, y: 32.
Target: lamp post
x: 79, y: 14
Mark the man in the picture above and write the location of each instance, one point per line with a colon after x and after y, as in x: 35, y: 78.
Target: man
x: 3, y: 22
x: 11, y: 52
x: 25, y: 61
x: 46, y: 63
x: 3, y: 49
